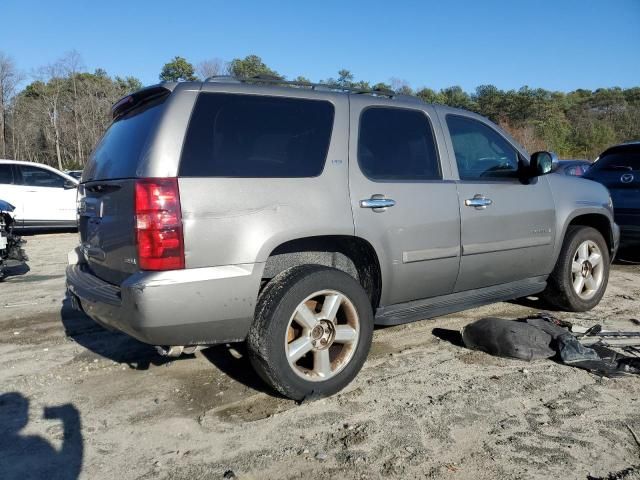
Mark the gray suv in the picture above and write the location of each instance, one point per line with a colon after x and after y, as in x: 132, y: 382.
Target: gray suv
x: 295, y: 217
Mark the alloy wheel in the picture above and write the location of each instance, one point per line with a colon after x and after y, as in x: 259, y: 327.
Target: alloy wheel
x: 322, y: 335
x: 587, y: 270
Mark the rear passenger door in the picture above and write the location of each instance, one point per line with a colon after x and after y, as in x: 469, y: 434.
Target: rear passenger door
x: 403, y: 200
x: 507, y: 225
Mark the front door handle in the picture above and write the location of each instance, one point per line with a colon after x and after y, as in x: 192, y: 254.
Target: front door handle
x: 479, y: 201
x: 379, y: 203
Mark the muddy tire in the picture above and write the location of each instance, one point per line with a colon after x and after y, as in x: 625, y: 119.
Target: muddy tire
x: 580, y: 276
x: 311, y: 332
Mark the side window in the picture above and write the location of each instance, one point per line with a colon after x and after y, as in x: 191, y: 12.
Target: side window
x: 480, y: 151
x: 397, y: 144
x: 256, y: 136
x: 39, y: 177
x: 6, y: 174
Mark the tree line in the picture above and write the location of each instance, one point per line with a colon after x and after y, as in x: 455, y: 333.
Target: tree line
x: 62, y: 111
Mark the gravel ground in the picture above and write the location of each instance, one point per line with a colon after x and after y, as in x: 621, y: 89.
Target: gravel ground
x: 77, y: 400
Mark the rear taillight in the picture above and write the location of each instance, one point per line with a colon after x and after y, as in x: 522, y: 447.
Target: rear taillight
x: 159, y: 224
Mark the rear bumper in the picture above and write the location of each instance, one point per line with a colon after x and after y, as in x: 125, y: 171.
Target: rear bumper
x: 200, y: 306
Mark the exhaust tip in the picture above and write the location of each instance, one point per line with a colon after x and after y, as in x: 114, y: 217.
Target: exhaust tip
x: 177, y: 350
x: 170, y: 351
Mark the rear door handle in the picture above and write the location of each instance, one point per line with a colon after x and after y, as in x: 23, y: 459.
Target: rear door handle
x: 479, y: 201
x: 378, y: 203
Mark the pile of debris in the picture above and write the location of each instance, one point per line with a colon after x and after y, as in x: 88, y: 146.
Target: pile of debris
x: 607, y: 353
x: 11, y: 251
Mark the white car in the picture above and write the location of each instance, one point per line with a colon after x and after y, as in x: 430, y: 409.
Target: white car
x: 43, y: 196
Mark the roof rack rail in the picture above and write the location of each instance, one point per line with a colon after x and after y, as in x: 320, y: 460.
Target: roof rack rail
x: 275, y: 80
x: 222, y: 79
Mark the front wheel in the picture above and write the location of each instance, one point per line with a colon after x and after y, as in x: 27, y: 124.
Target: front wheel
x: 312, y: 331
x: 580, y: 276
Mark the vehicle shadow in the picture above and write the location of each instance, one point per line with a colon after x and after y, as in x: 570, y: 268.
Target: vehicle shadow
x: 115, y: 346
x: 454, y: 337
x: 30, y: 232
x: 32, y: 456
x: 628, y: 256
x: 233, y: 360
x: 535, y: 302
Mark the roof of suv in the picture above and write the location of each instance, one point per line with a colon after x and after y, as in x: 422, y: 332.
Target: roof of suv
x: 267, y: 85
x: 271, y: 85
x: 262, y: 84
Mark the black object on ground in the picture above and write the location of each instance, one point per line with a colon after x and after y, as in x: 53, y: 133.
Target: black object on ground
x: 507, y: 338
x: 544, y: 336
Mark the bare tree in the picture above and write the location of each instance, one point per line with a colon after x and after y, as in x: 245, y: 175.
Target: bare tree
x: 50, y: 89
x: 9, y: 79
x: 212, y: 67
x: 72, y: 64
x: 400, y: 86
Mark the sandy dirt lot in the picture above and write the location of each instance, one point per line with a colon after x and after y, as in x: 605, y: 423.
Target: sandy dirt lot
x: 77, y: 400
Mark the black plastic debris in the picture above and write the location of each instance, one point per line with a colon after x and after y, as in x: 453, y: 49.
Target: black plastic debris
x: 508, y: 338
x: 544, y: 336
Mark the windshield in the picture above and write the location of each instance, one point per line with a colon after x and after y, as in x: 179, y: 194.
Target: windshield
x: 124, y: 143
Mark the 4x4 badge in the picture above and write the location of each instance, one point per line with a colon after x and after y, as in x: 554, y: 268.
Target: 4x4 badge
x: 627, y: 178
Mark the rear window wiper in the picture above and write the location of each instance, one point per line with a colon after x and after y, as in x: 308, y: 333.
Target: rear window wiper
x: 618, y: 167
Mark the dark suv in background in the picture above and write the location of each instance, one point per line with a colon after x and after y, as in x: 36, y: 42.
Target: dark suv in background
x: 618, y: 168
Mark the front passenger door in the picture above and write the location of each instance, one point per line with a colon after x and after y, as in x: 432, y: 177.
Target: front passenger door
x: 507, y: 226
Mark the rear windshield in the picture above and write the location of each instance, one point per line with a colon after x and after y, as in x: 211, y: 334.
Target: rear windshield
x: 124, y: 143
x: 618, y: 161
x: 234, y: 135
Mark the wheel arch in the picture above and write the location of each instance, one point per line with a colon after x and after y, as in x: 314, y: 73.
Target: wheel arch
x: 588, y: 218
x: 598, y: 221
x: 350, y: 254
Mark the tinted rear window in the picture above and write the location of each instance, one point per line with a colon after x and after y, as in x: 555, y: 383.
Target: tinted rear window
x: 124, y: 143
x: 618, y: 161
x: 397, y: 144
x: 256, y: 136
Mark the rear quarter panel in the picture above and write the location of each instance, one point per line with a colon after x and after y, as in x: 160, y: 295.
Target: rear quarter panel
x: 162, y: 157
x: 229, y: 221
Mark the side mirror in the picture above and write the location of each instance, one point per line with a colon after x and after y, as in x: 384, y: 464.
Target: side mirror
x: 542, y: 163
x: 68, y: 185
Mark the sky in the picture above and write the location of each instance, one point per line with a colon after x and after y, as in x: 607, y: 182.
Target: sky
x: 553, y: 44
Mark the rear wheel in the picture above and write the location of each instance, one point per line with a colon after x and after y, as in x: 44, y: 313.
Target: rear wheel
x: 312, y: 331
x: 580, y: 277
